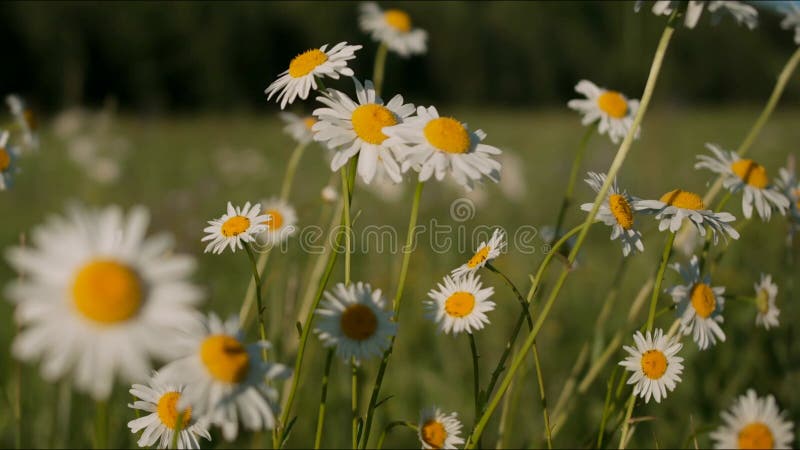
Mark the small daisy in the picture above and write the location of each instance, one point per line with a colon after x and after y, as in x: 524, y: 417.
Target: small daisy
x: 613, y: 110
x: 742, y: 12
x: 790, y: 186
x: 393, y: 29
x: 353, y: 318
x: 435, y: 145
x: 226, y: 380
x: 281, y: 223
x: 237, y: 226
x: 438, y: 430
x: 754, y: 422
x: 351, y: 128
x: 792, y: 20
x: 745, y: 174
x: 487, y: 251
x: 304, y: 69
x: 699, y: 305
x: 655, y: 366
x: 617, y: 211
x: 26, y: 120
x: 99, y: 299
x: 161, y: 402
x: 8, y: 159
x: 676, y: 205
x: 460, y: 305
x: 768, y: 312
x: 299, y: 128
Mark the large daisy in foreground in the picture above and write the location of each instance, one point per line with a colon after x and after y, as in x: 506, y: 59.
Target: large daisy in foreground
x: 439, y: 430
x: 754, y: 422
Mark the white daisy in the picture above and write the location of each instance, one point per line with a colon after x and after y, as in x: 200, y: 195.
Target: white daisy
x: 435, y: 145
x: 98, y: 299
x: 439, y: 430
x: 460, y: 304
x: 393, y: 28
x: 748, y: 176
x: 617, y: 211
x: 792, y: 20
x: 486, y: 252
x: 742, y: 12
x: 676, y: 205
x: 299, y: 128
x: 612, y: 110
x: 790, y: 186
x: 281, y: 224
x: 700, y: 305
x: 26, y: 120
x: 8, y: 162
x: 353, y: 318
x: 304, y: 69
x: 226, y: 380
x: 161, y: 402
x: 351, y: 128
x: 655, y: 366
x: 768, y: 312
x: 754, y: 422
x: 235, y: 227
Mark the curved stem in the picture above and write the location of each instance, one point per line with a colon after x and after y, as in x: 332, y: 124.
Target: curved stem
x: 291, y: 170
x: 542, y: 397
x: 380, y: 66
x: 476, y: 375
x: 354, y: 400
x: 626, y: 423
x: 537, y: 279
x: 262, y: 330
x: 573, y: 177
x: 324, y: 398
x: 651, y: 317
x: 389, y: 427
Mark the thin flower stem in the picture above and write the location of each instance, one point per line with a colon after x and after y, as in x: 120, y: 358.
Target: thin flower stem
x: 323, y: 399
x: 390, y: 426
x: 612, y: 173
x: 101, y: 424
x: 573, y: 177
x: 407, y: 250
x: 606, y: 408
x: 476, y: 375
x: 291, y: 170
x: 626, y: 422
x: 177, y: 431
x: 354, y: 400
x: 347, y: 227
x: 504, y: 425
x: 380, y: 66
x: 262, y: 330
x: 537, y: 279
x: 662, y: 268
x: 540, y: 381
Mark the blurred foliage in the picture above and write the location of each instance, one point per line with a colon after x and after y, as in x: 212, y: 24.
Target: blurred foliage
x: 157, y: 56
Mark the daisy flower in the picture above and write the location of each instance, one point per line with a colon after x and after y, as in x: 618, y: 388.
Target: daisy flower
x: 790, y: 186
x: 487, y: 251
x: 435, y: 145
x: 742, y: 12
x: 676, y: 205
x: 99, y: 299
x: 349, y: 128
x: 161, y: 402
x: 745, y: 175
x: 281, y: 223
x: 610, y: 109
x: 393, y: 29
x: 439, y: 430
x: 304, y: 69
x: 8, y: 159
x: 226, y: 380
x: 459, y: 304
x: 353, y: 318
x: 699, y: 305
x: 235, y: 227
x: 754, y: 422
x: 792, y: 20
x: 655, y: 366
x: 299, y: 128
x: 617, y: 211
x: 26, y: 120
x: 768, y: 312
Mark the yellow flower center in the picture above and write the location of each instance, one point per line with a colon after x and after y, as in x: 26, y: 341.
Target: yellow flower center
x: 434, y: 434
x: 613, y: 104
x: 30, y: 119
x: 225, y: 358
x: 309, y: 122
x: 275, y: 219
x: 703, y: 300
x: 399, y: 20
x: 762, y: 301
x: 235, y: 226
x: 5, y: 159
x: 358, y: 322
x: 621, y: 210
x: 654, y: 364
x: 459, y: 304
x: 756, y: 435
x: 168, y: 411
x: 751, y: 173
x: 683, y: 199
x: 304, y: 63
x: 479, y: 257
x: 368, y: 121
x: 107, y: 292
x: 448, y: 135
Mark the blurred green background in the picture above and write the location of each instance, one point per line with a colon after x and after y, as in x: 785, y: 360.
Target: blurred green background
x: 184, y: 127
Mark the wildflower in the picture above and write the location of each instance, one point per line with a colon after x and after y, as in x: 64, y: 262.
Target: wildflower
x: 486, y: 252
x: 768, y: 312
x: 742, y: 12
x: 790, y: 186
x: 617, y: 211
x: 299, y: 128
x: 700, y: 305
x: 460, y: 304
x: 754, y: 422
x: 438, y: 430
x: 792, y: 20
x: 8, y: 159
x: 281, y: 223
x: 655, y: 366
x: 235, y: 227
x: 26, y: 119
x: 99, y: 299
x: 676, y: 205
x: 612, y: 111
x: 393, y: 29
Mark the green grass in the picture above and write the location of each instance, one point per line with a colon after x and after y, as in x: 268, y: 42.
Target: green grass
x: 173, y: 167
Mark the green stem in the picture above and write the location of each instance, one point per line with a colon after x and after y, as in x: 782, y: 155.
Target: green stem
x: 606, y: 408
x: 626, y: 422
x: 380, y: 66
x: 347, y: 226
x: 262, y: 330
x: 101, y: 425
x: 540, y: 381
x: 323, y: 399
x: 537, y: 279
x: 407, y: 249
x: 476, y: 376
x: 662, y: 268
x: 390, y: 426
x: 354, y: 401
x: 573, y: 177
x: 177, y: 431
x: 291, y: 170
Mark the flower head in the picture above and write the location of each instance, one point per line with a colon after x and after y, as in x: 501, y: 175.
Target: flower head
x: 617, y: 211
x: 26, y: 119
x: 612, y: 111
x: 298, y: 127
x: 393, y: 28
x: 791, y: 19
x: 768, y: 312
x: 236, y: 227
x: 281, y: 224
x: 655, y: 366
x: 754, y: 422
x: 676, y: 205
x: 460, y: 304
x: 700, y: 305
x: 742, y: 12
x: 486, y: 252
x: 439, y: 430
x: 8, y: 162
x: 788, y: 183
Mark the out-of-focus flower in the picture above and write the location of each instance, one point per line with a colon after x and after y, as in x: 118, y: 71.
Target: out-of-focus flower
x: 612, y: 111
x: 393, y: 29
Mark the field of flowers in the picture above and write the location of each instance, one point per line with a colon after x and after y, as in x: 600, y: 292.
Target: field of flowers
x: 359, y: 270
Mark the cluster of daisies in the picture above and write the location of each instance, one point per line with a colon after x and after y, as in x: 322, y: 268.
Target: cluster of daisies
x: 16, y: 138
